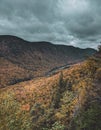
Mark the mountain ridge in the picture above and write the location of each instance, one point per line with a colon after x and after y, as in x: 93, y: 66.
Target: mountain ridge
x: 34, y: 58
x: 11, y: 37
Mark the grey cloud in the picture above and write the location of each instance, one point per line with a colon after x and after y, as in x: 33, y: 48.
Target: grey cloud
x: 71, y: 22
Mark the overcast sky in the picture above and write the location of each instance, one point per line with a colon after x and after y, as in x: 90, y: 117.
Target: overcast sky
x: 70, y: 22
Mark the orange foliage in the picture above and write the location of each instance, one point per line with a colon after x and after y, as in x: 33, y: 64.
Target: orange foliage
x: 25, y: 107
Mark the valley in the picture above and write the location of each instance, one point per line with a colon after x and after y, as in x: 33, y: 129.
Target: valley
x: 21, y: 60
x: 58, y: 92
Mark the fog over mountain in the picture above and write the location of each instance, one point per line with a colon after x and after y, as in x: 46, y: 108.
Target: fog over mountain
x: 69, y: 22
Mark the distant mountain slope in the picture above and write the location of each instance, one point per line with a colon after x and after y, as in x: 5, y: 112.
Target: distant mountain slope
x: 11, y: 73
x: 34, y: 58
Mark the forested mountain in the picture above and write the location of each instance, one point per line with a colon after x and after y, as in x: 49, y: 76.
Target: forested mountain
x: 21, y: 60
x: 67, y: 100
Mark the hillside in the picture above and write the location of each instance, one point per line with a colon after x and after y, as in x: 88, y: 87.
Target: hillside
x: 68, y: 100
x: 21, y: 60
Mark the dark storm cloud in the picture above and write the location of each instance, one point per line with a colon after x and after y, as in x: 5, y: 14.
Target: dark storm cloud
x: 73, y: 22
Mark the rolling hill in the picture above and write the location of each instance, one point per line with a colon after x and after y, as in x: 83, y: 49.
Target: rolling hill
x: 21, y: 60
